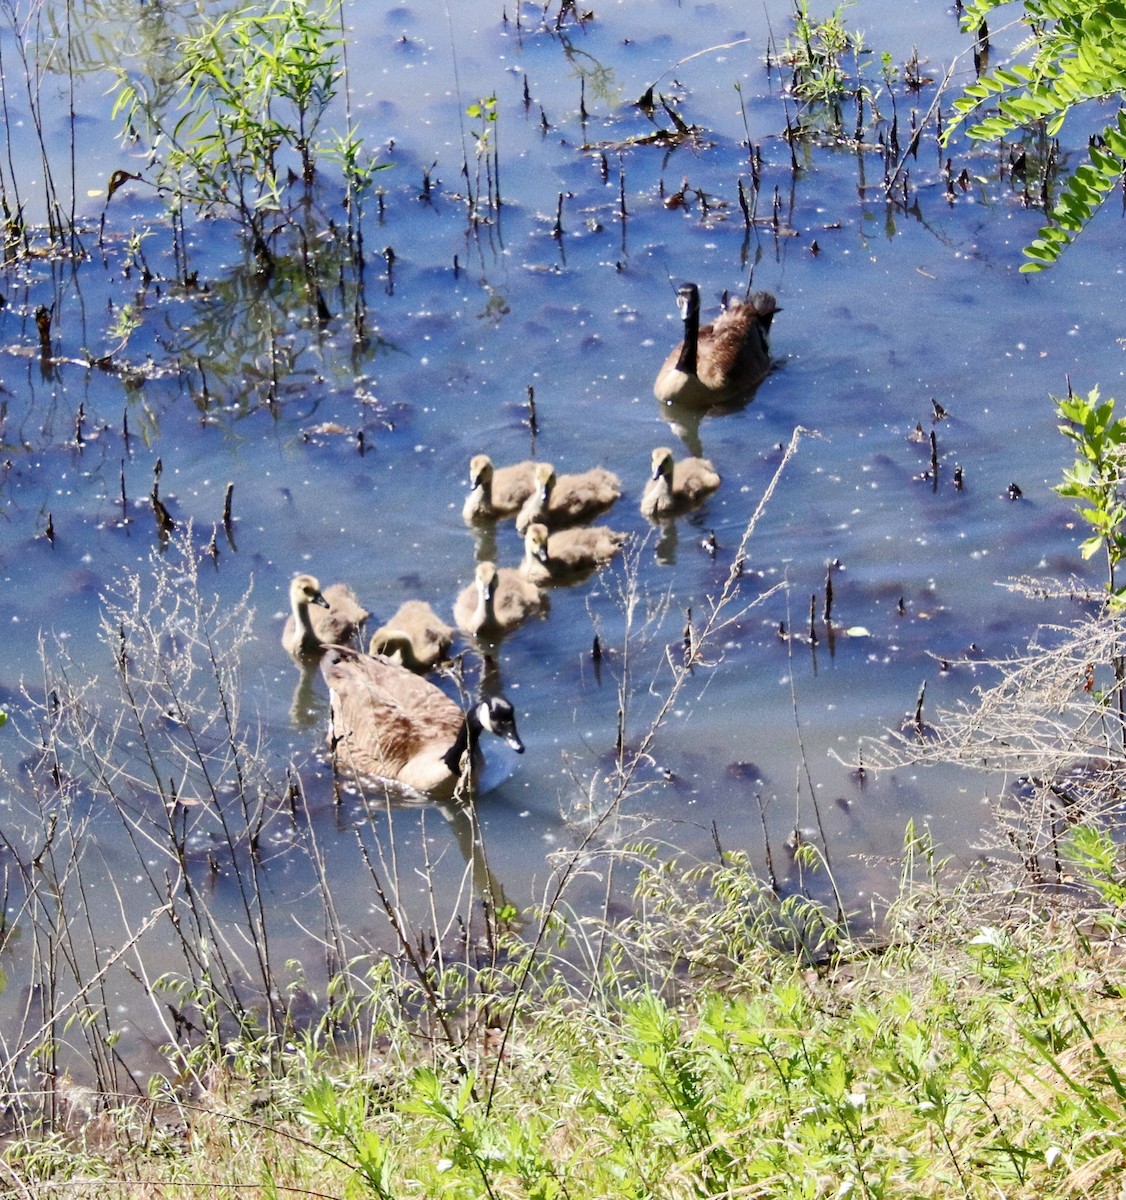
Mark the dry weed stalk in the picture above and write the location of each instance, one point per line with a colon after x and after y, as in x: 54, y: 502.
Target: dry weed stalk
x: 600, y: 815
x: 157, y: 744
x: 675, y: 664
x: 1051, y: 728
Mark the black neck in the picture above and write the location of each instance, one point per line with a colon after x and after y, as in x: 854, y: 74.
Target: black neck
x: 466, y: 740
x: 687, y: 360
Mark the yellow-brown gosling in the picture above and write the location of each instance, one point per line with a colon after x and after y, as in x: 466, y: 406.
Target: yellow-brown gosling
x: 415, y: 636
x: 720, y: 360
x: 676, y: 486
x: 388, y: 723
x: 308, y: 629
x: 497, y: 601
x: 568, y: 499
x: 571, y: 553
x: 496, y: 491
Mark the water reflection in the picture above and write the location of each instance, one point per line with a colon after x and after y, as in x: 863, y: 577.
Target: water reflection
x: 308, y: 708
x: 685, y: 420
x: 461, y: 820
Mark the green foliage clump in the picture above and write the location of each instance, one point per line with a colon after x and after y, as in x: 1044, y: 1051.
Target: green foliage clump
x: 815, y: 53
x: 239, y: 114
x: 1077, y: 59
x: 1094, y: 481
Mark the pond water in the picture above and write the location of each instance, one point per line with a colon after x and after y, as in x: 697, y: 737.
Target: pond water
x: 885, y: 311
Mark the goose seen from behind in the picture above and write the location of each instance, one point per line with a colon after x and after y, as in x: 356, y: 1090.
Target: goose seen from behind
x: 318, y: 619
x: 497, y: 601
x: 721, y: 360
x: 568, y: 499
x: 390, y: 724
x: 415, y: 636
x: 676, y: 486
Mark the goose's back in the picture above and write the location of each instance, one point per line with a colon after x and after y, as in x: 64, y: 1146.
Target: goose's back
x: 733, y: 348
x: 512, y: 485
x: 591, y: 544
x: 694, y: 478
x: 388, y: 722
x: 517, y: 598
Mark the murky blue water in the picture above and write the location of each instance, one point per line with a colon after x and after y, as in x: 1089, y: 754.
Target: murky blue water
x: 884, y: 312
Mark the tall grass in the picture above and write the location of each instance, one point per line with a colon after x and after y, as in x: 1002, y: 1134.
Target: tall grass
x: 699, y: 1058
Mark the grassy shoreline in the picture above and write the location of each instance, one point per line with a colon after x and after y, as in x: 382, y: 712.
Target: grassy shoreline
x: 699, y: 1059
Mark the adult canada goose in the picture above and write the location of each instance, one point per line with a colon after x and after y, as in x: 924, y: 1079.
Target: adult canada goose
x: 571, y: 553
x: 675, y: 486
x: 496, y: 491
x: 308, y: 630
x: 389, y: 723
x: 415, y: 636
x: 497, y: 601
x: 724, y: 358
x: 568, y: 499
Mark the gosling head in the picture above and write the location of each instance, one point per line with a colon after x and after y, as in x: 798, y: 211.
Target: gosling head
x: 304, y: 589
x: 661, y: 463
x: 535, y: 542
x: 480, y: 470
x: 496, y: 714
x: 545, y: 480
x: 394, y: 644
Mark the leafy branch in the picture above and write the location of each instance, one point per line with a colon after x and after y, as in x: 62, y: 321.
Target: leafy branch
x: 250, y: 90
x: 1078, y: 57
x: 1094, y: 480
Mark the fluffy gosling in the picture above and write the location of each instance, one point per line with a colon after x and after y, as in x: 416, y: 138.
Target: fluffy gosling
x: 676, y: 486
x: 497, y: 601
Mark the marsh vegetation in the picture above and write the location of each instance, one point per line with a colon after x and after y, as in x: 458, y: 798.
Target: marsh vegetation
x: 274, y: 276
